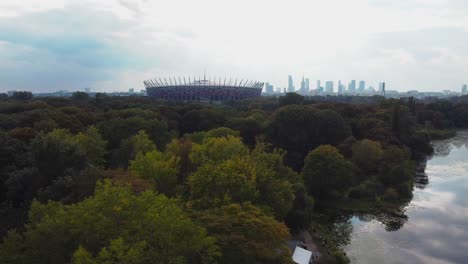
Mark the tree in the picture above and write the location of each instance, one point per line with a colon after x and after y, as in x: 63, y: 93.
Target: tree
x: 93, y: 144
x: 299, y: 129
x: 56, y: 154
x: 241, y: 179
x: 367, y: 154
x: 114, y: 224
x: 22, y: 95
x: 246, y: 235
x: 326, y: 173
x: 79, y: 96
x: 117, y: 129
x: 217, y: 150
x: 201, y: 120
x: 249, y: 129
x: 290, y: 99
x: 157, y: 167
x: 131, y: 147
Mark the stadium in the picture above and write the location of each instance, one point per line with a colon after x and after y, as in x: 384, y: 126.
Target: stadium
x: 202, y: 90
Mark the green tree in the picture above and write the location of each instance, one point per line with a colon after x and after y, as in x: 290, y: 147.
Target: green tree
x: 241, y: 179
x: 299, y: 129
x: 217, y: 150
x: 158, y: 167
x: 94, y: 146
x: 114, y: 224
x: 327, y: 173
x: 131, y: 147
x: 22, y: 95
x: 79, y: 96
x: 290, y: 99
x: 367, y: 154
x: 56, y: 155
x: 246, y: 235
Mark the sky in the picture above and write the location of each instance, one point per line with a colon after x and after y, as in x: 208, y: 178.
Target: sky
x: 113, y: 45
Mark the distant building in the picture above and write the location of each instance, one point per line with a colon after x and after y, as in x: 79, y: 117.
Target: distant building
x: 10, y: 93
x: 340, y: 88
x: 329, y: 87
x: 464, y: 89
x: 318, y: 85
x: 87, y: 90
x: 268, y: 88
x: 131, y: 91
x: 290, y: 84
x: 303, y: 87
x: 362, y: 86
x: 352, y: 86
x: 307, y: 87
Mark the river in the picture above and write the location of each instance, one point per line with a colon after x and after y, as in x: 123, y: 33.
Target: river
x: 436, y: 228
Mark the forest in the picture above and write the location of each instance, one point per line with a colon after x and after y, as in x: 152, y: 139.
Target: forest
x: 134, y: 180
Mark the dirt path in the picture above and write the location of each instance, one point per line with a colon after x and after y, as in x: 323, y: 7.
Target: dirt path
x: 308, y: 240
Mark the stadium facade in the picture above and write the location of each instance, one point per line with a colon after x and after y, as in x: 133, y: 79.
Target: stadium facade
x: 202, y: 90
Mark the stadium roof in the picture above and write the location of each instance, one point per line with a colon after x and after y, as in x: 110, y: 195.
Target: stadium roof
x: 172, y: 81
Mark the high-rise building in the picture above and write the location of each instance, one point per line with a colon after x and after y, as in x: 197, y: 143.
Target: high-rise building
x: 362, y: 86
x: 464, y: 89
x: 352, y: 86
x: 87, y: 90
x: 307, y: 87
x: 268, y: 88
x: 329, y: 87
x: 303, y: 86
x: 340, y: 88
x: 318, y: 85
x: 290, y: 84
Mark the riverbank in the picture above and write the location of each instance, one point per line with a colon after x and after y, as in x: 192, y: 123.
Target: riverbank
x: 435, y: 227
x: 437, y: 134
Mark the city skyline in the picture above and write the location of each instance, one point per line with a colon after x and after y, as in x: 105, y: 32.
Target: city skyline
x: 377, y: 88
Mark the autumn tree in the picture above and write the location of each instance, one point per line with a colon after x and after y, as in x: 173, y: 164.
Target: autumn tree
x: 246, y: 235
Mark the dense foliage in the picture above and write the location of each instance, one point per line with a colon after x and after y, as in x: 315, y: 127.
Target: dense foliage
x: 131, y: 180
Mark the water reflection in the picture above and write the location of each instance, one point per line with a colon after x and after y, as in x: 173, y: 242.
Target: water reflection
x: 433, y: 228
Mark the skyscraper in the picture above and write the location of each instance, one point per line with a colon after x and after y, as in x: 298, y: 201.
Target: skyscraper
x: 329, y: 87
x: 290, y: 84
x: 303, y: 86
x: 268, y: 88
x: 307, y: 87
x: 464, y: 89
x: 362, y: 86
x: 318, y: 85
x: 340, y: 88
x: 352, y: 86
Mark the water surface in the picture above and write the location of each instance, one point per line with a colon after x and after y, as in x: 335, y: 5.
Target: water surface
x: 436, y: 229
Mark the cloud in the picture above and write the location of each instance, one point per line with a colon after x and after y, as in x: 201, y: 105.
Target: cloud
x: 75, y: 47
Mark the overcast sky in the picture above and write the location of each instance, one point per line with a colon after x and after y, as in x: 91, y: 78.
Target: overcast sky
x: 47, y: 45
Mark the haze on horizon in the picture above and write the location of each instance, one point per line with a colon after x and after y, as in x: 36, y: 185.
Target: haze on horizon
x: 116, y: 44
